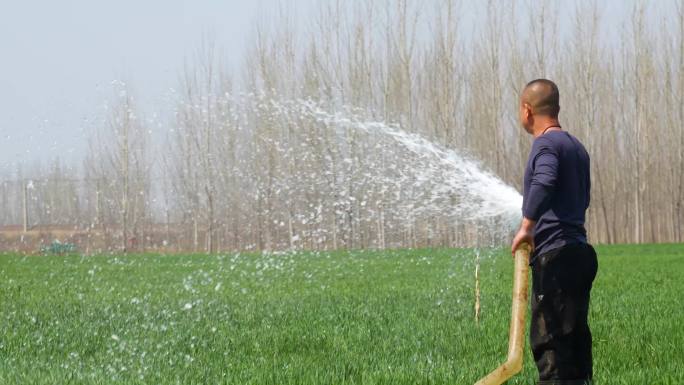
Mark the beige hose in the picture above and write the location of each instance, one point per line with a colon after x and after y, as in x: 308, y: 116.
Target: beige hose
x: 516, y: 339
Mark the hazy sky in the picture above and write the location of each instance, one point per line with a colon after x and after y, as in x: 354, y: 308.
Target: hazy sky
x: 58, y: 60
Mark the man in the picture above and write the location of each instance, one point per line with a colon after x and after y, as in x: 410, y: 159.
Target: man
x: 555, y: 198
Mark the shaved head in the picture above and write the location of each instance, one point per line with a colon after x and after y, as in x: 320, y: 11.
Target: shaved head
x: 542, y: 97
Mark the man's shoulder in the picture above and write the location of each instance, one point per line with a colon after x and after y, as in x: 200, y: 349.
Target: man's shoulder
x: 558, y: 140
x: 547, y: 141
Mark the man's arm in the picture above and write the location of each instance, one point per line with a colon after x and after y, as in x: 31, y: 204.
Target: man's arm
x: 543, y: 183
x: 538, y: 198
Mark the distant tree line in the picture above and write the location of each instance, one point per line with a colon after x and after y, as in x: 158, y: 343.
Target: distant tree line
x: 243, y: 168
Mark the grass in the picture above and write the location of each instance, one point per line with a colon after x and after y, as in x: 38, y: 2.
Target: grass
x: 394, y: 317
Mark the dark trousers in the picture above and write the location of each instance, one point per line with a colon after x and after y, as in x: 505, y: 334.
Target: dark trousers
x: 559, y: 333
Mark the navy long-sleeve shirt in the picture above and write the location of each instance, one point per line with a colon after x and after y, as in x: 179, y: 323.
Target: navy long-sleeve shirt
x: 556, y: 190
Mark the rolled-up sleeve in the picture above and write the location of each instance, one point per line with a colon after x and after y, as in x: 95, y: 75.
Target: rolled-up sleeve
x: 543, y: 181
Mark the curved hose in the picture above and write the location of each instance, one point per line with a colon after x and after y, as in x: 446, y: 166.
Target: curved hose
x: 516, y: 339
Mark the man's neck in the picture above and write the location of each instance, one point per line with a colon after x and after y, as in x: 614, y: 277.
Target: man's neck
x: 545, y: 125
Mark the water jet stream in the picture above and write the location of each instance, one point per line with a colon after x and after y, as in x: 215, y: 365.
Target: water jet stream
x: 445, y: 172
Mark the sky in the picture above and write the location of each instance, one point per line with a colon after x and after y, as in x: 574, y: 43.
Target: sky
x: 58, y: 60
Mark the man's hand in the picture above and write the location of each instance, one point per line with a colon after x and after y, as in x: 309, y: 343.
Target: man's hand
x: 524, y: 235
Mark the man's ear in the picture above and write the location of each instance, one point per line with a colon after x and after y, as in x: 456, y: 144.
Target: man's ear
x: 528, y: 111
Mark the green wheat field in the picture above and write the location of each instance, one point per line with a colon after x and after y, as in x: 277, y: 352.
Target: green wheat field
x: 366, y: 317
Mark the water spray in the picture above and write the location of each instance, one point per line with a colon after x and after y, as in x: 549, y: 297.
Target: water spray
x: 516, y: 339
